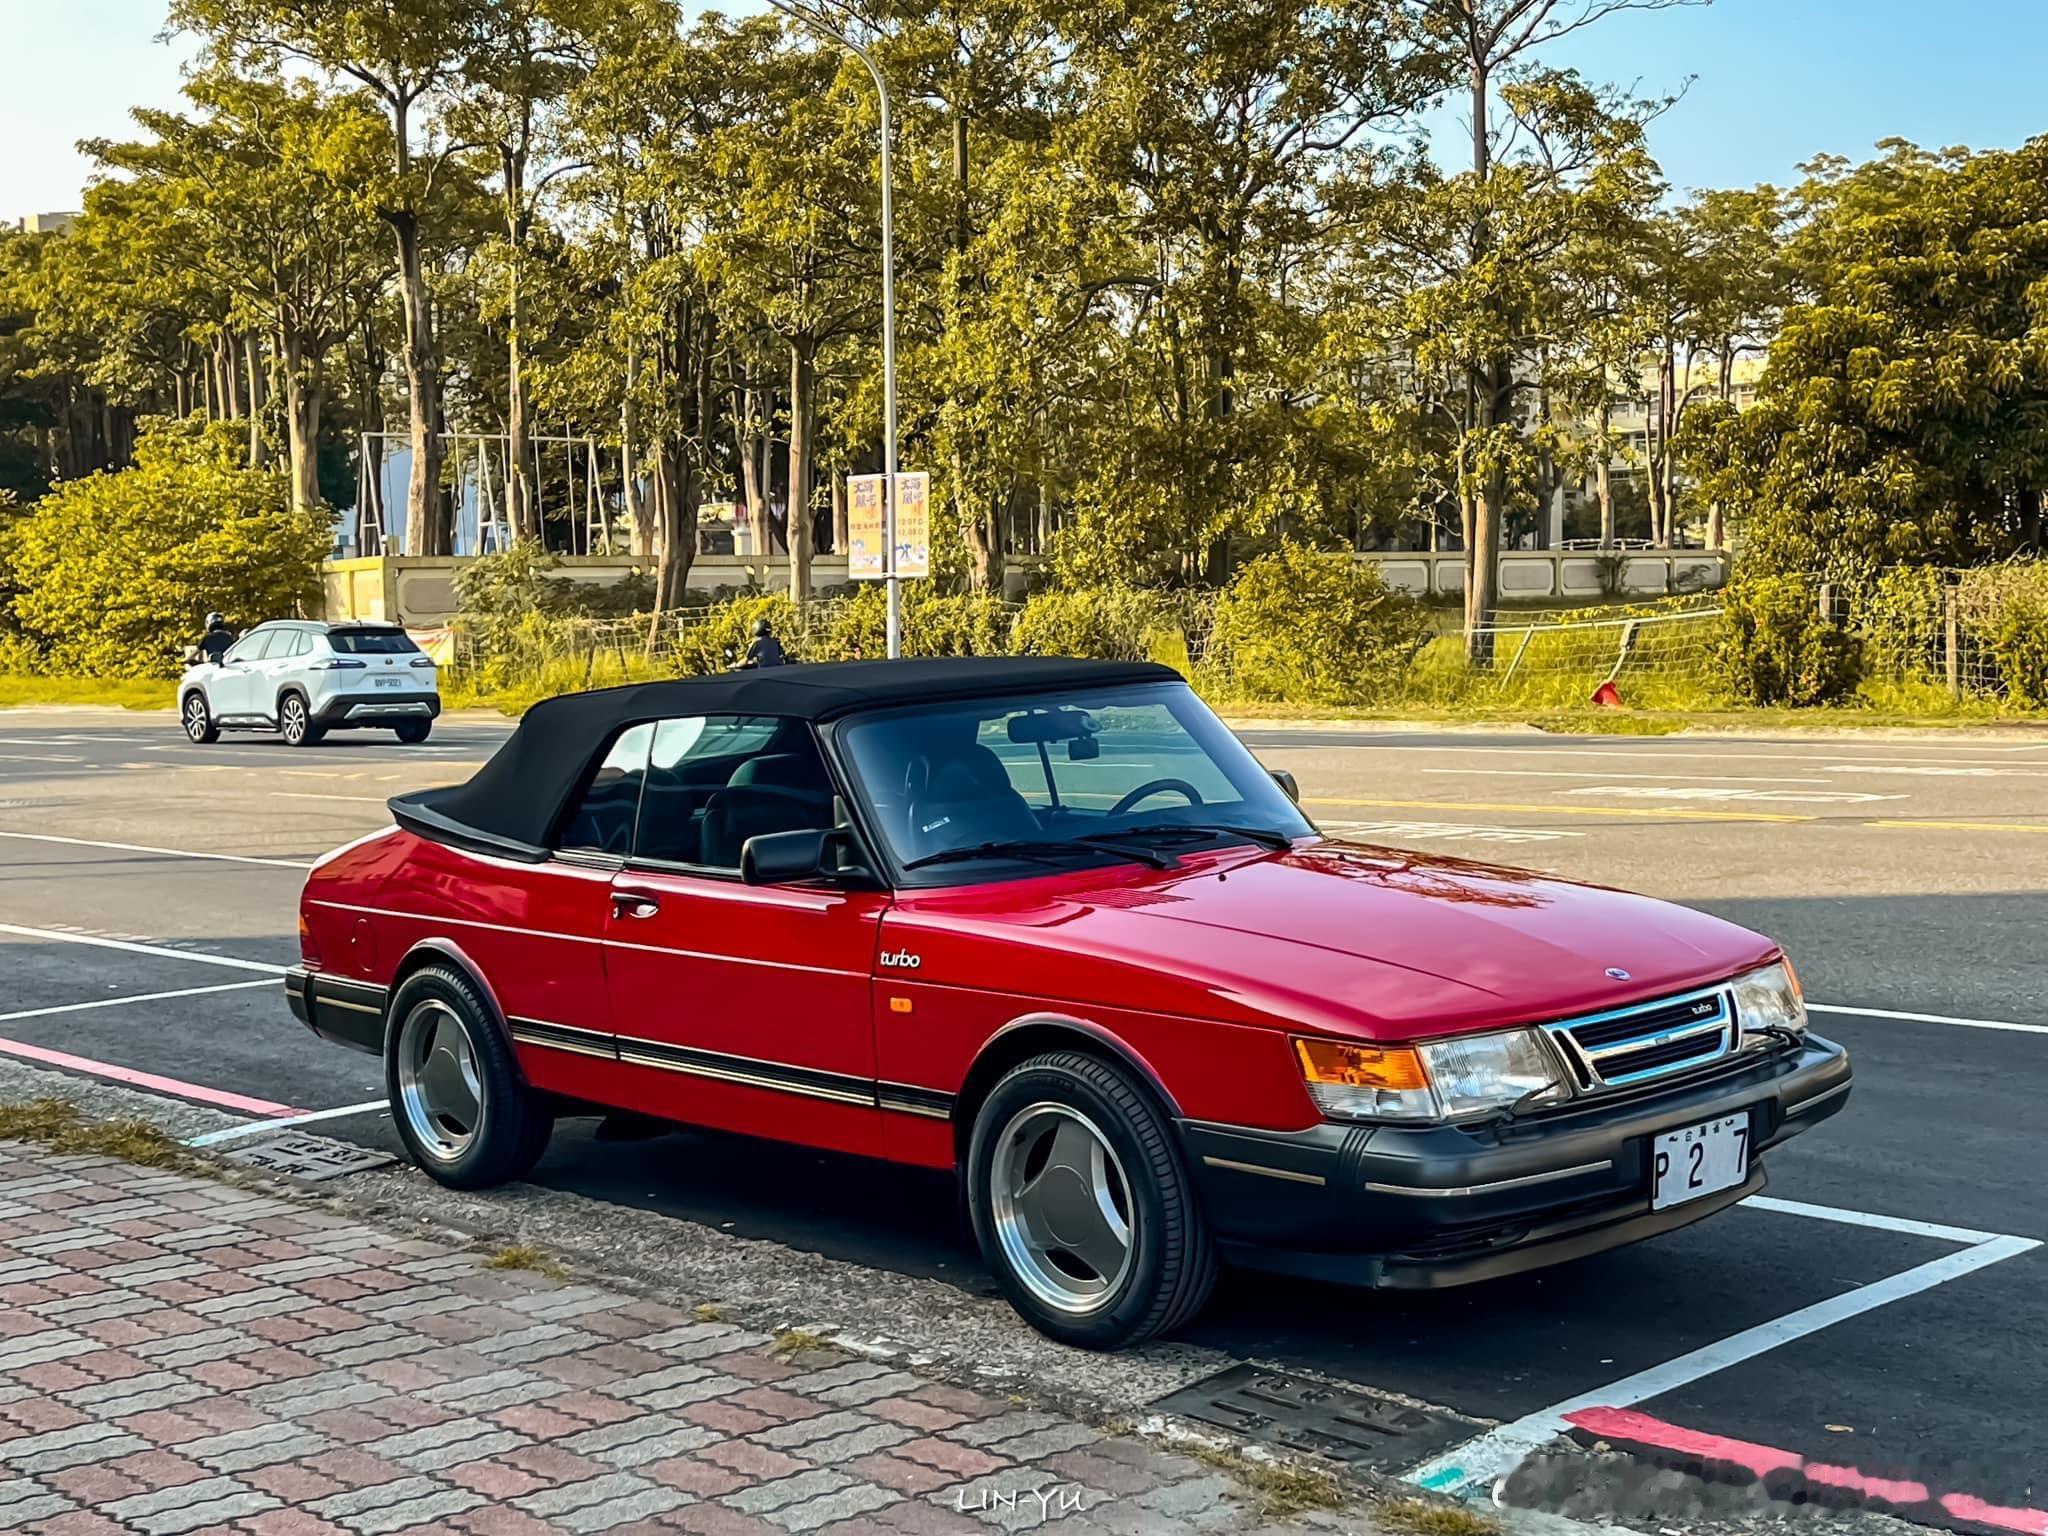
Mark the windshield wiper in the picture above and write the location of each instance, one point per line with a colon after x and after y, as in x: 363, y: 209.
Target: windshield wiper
x: 1042, y: 851
x: 1265, y: 837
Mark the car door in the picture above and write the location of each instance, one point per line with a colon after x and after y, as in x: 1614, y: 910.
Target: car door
x: 742, y: 1007
x: 232, y: 690
x: 280, y: 665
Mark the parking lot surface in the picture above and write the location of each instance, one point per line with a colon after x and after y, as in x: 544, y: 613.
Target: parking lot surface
x: 1880, y: 1312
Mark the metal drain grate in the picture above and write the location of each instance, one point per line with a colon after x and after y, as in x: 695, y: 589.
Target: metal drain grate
x: 1346, y: 1424
x: 313, y: 1158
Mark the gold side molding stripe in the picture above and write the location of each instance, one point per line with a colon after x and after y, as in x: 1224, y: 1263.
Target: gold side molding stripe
x: 1264, y: 1172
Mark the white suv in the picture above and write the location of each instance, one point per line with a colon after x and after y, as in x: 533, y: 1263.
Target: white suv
x: 303, y: 679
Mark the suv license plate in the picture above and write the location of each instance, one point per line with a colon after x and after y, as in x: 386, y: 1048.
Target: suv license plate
x: 387, y: 682
x: 1699, y: 1160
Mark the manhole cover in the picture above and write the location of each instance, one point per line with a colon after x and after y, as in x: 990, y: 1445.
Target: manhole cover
x: 1343, y: 1423
x: 313, y: 1158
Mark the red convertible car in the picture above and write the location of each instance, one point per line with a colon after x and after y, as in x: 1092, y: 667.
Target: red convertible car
x: 1050, y: 924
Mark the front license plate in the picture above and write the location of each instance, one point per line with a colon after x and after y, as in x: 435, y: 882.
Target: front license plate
x: 1695, y: 1162
x: 388, y: 682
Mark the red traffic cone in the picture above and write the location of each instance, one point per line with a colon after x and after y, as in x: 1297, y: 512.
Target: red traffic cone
x: 1607, y: 696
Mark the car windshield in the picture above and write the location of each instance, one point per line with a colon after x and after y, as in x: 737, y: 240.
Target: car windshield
x: 370, y: 642
x: 999, y: 787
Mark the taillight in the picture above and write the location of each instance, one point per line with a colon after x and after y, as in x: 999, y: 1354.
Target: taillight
x: 337, y: 664
x: 422, y: 661
x: 306, y: 951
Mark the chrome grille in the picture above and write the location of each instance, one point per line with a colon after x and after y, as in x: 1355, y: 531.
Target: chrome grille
x: 1646, y: 1041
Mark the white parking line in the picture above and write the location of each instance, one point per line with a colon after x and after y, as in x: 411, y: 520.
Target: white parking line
x: 169, y: 853
x: 1491, y: 1455
x: 128, y: 946
x: 1931, y: 1229
x: 1930, y: 1018
x: 144, y: 997
x: 1566, y: 773
x: 258, y: 1127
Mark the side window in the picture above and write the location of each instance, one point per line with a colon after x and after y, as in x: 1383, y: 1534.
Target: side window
x: 603, y: 819
x: 289, y: 644
x: 717, y: 780
x: 253, y: 647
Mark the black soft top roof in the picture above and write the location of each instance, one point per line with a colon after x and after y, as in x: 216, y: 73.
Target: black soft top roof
x: 514, y: 800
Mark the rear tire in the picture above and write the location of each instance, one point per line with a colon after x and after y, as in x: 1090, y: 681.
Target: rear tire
x: 295, y: 722
x: 412, y: 732
x: 456, y: 1096
x: 198, y: 720
x: 1069, y: 1149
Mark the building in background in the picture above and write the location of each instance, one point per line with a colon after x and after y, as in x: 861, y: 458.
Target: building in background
x: 46, y: 223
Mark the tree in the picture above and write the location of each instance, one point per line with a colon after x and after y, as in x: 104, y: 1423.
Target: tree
x: 1903, y: 416
x: 255, y: 198
x: 1490, y: 48
x: 405, y: 56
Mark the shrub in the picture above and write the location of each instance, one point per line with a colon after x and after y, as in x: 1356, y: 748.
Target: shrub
x: 701, y: 644
x: 1902, y: 620
x: 1776, y: 648
x: 116, y: 573
x: 1300, y: 626
x: 1085, y: 622
x: 2005, y: 610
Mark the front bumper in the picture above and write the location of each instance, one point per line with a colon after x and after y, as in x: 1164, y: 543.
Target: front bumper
x: 1425, y: 1207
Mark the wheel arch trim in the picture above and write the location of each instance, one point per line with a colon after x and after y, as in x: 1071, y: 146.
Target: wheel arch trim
x: 996, y: 1053
x: 436, y: 948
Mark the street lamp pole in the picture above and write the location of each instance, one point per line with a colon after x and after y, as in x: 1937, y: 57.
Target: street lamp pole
x: 895, y: 583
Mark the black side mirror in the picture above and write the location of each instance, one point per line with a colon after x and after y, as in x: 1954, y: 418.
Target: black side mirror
x: 1287, y: 782
x: 786, y: 858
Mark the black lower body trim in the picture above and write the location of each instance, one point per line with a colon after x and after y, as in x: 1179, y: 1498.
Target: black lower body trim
x: 338, y: 1008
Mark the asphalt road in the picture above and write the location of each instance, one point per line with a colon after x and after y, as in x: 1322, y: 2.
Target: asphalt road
x: 1904, y: 874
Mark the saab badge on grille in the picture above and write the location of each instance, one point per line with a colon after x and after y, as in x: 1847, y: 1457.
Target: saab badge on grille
x: 1617, y: 973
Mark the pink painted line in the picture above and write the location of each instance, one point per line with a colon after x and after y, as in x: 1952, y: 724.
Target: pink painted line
x: 1626, y: 1424
x: 1641, y: 1429
x: 149, y: 1080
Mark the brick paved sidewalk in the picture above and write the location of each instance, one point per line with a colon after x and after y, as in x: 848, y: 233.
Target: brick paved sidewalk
x: 178, y: 1355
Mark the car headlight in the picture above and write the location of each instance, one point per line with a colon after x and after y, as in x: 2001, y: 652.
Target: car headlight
x: 1769, y: 1002
x: 1446, y: 1080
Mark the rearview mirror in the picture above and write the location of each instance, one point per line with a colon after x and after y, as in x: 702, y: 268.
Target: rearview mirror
x: 786, y: 858
x: 1043, y: 725
x: 1287, y: 782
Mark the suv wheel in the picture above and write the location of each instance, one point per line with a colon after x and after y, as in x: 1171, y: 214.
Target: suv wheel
x: 295, y: 722
x: 455, y: 1093
x: 198, y: 720
x: 413, y: 732
x: 1081, y: 1205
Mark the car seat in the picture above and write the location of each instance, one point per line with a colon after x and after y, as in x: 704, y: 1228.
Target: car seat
x: 780, y: 792
x: 962, y: 799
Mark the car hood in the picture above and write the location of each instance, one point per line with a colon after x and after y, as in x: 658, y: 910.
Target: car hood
x: 1354, y: 940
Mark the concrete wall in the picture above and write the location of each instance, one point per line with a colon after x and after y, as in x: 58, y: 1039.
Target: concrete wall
x: 1528, y: 575
x: 419, y: 590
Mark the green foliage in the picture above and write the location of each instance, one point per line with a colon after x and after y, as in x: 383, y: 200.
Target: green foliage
x: 1903, y: 621
x: 719, y: 639
x: 1114, y: 625
x: 1776, y: 648
x: 1306, y: 627
x: 117, y: 571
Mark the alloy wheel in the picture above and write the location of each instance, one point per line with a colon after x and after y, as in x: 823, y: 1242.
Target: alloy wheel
x: 1062, y: 1207
x: 294, y: 719
x: 195, y: 717
x: 440, y: 1089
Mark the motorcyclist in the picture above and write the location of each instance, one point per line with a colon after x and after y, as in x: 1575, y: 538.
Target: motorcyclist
x: 219, y: 638
x: 764, y: 650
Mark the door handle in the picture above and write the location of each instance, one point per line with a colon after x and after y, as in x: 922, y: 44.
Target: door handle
x: 634, y: 904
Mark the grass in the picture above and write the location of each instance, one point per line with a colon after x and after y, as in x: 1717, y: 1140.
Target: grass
x: 1429, y: 1517
x: 57, y: 1124
x: 797, y: 1341
x: 1278, y: 1488
x: 526, y: 1256
x: 112, y: 692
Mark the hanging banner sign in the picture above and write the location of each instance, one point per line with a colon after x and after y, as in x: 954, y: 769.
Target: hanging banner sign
x: 867, y: 525
x: 913, y: 525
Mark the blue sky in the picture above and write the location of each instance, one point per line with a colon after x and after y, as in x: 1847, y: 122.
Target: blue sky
x: 1778, y: 81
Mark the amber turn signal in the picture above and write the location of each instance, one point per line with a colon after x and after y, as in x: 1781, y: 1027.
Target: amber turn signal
x: 1360, y: 1066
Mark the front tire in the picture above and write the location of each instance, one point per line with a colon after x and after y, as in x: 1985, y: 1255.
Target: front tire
x: 1082, y: 1207
x: 412, y: 732
x: 198, y: 720
x: 295, y: 722
x: 456, y: 1097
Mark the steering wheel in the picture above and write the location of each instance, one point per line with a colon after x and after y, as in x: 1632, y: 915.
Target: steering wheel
x: 1156, y: 787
